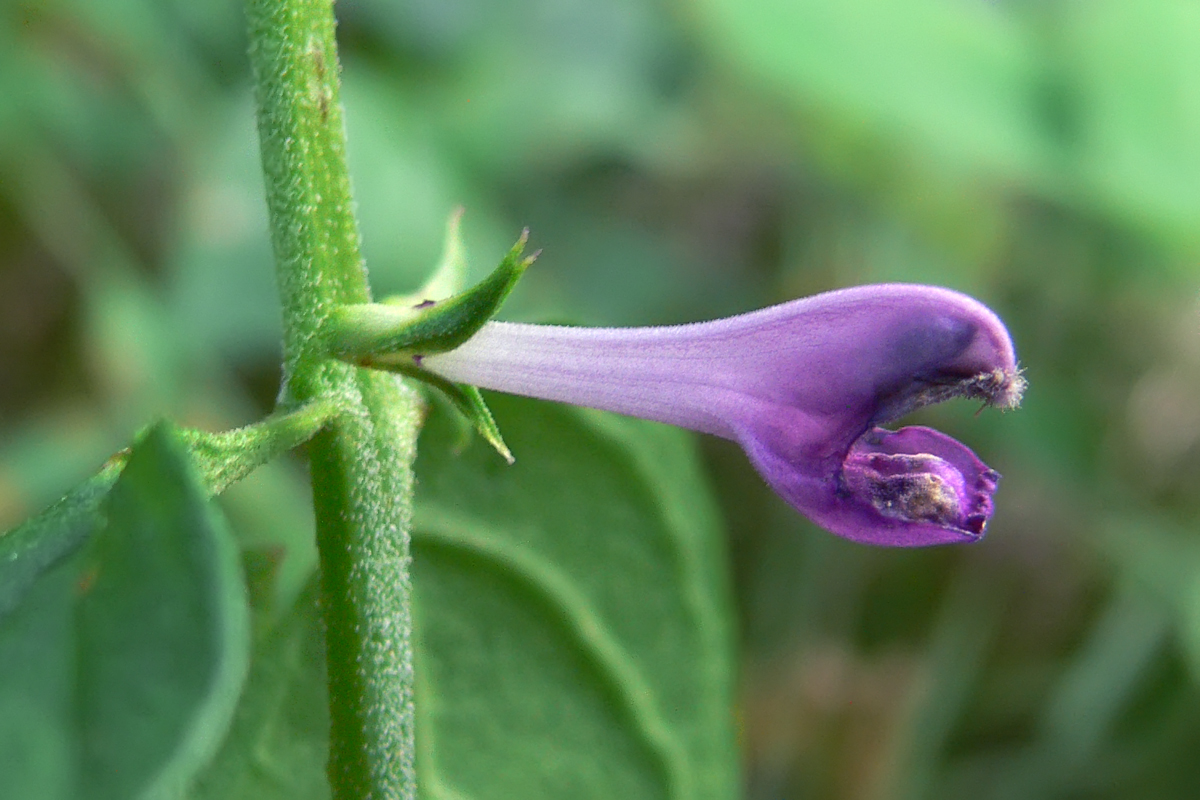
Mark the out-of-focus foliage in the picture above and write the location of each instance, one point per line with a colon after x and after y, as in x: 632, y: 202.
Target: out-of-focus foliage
x: 678, y: 162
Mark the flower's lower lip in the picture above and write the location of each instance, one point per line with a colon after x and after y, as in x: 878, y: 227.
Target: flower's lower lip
x: 917, y: 475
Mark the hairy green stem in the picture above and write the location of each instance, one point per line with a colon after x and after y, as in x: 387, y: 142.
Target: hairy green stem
x: 361, y: 462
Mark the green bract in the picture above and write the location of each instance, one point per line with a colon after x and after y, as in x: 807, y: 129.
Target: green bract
x: 395, y: 335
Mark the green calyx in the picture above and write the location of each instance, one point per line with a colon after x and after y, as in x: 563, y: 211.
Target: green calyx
x: 395, y: 334
x: 383, y: 335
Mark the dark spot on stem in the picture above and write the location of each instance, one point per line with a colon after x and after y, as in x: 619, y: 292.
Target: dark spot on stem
x: 318, y: 59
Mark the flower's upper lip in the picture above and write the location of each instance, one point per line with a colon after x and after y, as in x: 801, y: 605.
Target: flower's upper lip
x: 998, y: 387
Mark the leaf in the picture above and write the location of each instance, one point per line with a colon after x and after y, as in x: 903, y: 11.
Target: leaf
x: 279, y: 741
x: 38, y: 758
x: 121, y: 666
x: 163, y: 629
x: 35, y: 546
x: 573, y: 614
x: 220, y: 459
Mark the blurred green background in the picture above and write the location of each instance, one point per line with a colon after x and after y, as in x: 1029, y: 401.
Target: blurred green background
x: 682, y: 161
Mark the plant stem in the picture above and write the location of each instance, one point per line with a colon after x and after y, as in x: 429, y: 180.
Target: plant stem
x: 362, y: 462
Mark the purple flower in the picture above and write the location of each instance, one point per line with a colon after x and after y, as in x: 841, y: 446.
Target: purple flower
x: 802, y: 387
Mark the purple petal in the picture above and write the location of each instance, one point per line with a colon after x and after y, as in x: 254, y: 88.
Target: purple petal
x: 801, y: 386
x: 910, y: 488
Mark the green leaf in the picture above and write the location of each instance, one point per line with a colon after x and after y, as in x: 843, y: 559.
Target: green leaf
x: 573, y: 614
x: 38, y: 747
x: 279, y: 741
x: 121, y: 666
x: 220, y: 459
x: 35, y: 546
